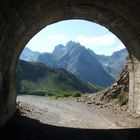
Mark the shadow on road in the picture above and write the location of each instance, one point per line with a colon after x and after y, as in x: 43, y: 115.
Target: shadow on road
x: 23, y: 128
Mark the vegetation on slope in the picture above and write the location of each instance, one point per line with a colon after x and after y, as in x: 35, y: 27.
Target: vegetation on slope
x: 39, y: 79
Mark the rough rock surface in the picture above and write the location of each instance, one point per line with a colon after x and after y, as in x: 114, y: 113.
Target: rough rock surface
x: 120, y: 87
x: 115, y: 97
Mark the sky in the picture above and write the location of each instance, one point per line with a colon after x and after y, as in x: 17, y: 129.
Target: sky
x: 89, y: 34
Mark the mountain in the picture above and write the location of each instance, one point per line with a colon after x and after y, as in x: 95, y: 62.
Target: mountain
x: 77, y: 59
x: 29, y: 55
x: 67, y: 57
x: 112, y: 64
x: 38, y: 78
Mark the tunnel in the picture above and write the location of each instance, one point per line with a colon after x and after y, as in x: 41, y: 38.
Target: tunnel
x: 20, y: 20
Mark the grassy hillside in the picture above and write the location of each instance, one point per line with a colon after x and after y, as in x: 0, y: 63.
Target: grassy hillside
x: 37, y: 78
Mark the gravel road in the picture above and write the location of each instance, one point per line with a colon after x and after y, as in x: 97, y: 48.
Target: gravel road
x: 66, y: 112
x: 43, y: 118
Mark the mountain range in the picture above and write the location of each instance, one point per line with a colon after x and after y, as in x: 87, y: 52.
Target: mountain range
x: 84, y: 63
x: 29, y: 55
x: 112, y: 64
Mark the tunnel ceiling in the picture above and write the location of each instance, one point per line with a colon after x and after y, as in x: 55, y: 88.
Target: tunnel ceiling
x: 22, y: 19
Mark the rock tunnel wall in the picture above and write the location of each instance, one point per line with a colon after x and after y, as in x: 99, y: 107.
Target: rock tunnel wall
x: 20, y: 20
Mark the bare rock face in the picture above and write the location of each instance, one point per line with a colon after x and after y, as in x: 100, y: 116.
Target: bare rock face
x: 119, y: 88
x: 76, y: 59
x: 115, y: 97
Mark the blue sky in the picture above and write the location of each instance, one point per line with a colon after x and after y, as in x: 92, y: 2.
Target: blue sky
x: 91, y: 35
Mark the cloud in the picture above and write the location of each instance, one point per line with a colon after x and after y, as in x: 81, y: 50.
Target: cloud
x: 97, y: 40
x: 57, y: 37
x: 119, y: 47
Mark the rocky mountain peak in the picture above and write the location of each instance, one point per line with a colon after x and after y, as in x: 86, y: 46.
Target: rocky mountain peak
x: 70, y: 49
x: 73, y: 44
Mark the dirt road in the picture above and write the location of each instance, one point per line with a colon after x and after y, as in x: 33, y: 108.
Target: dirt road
x: 69, y: 113
x: 66, y: 119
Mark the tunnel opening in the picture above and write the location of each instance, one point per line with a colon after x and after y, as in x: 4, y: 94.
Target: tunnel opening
x: 19, y: 25
x: 31, y: 79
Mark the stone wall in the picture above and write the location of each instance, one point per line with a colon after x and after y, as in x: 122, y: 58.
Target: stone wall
x: 134, y: 84
x: 0, y: 81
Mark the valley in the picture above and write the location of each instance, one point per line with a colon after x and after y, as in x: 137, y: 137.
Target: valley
x: 36, y: 78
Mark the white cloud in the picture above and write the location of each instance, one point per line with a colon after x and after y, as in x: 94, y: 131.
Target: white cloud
x: 45, y: 43
x: 119, y: 47
x: 57, y: 37
x: 33, y: 41
x: 97, y: 40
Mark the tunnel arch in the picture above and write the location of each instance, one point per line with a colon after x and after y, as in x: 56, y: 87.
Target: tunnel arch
x: 21, y: 20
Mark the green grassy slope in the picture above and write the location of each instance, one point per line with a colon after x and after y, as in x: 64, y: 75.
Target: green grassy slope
x: 37, y: 78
